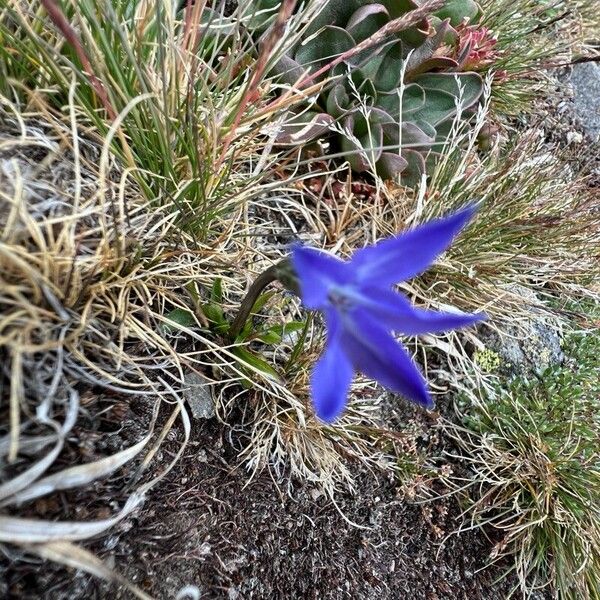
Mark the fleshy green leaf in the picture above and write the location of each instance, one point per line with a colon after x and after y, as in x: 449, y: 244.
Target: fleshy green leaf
x: 390, y: 165
x: 337, y: 101
x: 363, y: 146
x: 366, y: 21
x: 254, y: 361
x: 327, y: 44
x: 334, y: 12
x: 471, y: 85
x: 459, y: 10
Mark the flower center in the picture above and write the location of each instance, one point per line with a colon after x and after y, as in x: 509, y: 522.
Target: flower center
x: 340, y: 299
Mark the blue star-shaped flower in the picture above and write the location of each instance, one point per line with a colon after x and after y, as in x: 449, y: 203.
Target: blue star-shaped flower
x: 361, y: 310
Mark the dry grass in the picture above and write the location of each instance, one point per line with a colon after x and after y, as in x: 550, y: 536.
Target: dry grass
x: 83, y: 272
x: 89, y: 276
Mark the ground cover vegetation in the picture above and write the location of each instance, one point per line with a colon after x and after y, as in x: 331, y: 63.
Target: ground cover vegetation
x: 532, y: 446
x: 158, y: 160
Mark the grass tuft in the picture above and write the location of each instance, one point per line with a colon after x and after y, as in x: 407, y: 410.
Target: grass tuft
x: 533, y: 36
x: 166, y: 85
x: 534, y: 470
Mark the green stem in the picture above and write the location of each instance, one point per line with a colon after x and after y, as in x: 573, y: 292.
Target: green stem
x: 259, y: 284
x: 281, y: 271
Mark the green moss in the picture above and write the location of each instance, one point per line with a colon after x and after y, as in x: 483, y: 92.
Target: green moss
x: 487, y: 360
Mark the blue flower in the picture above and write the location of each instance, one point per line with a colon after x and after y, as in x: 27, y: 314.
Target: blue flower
x: 361, y: 310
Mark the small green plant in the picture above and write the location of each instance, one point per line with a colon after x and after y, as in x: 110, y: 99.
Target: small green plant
x: 391, y: 105
x: 533, y: 449
x: 487, y: 360
x: 164, y: 85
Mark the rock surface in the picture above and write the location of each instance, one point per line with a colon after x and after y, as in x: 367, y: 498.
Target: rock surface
x: 586, y: 86
x: 529, y: 346
x: 199, y: 396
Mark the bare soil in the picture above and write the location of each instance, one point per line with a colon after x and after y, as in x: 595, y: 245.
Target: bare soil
x: 206, y: 526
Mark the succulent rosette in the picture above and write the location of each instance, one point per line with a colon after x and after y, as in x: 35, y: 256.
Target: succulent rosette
x: 393, y: 105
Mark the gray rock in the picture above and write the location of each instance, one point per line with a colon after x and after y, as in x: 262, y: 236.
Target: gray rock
x: 529, y: 346
x: 198, y: 394
x: 532, y: 347
x: 586, y: 86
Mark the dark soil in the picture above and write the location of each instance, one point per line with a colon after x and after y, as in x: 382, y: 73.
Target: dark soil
x: 206, y: 526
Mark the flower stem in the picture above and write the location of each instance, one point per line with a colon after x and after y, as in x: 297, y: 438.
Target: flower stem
x: 282, y: 272
x: 259, y: 284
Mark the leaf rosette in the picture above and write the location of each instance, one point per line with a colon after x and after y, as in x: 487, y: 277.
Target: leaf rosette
x: 390, y: 107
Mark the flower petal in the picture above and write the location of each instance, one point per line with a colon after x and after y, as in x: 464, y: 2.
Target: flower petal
x: 410, y: 253
x: 397, y: 313
x: 332, y: 375
x: 317, y: 271
x: 375, y: 353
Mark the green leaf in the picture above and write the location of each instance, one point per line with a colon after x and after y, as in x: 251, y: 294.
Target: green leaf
x: 254, y: 361
x: 458, y: 10
x: 261, y: 301
x: 214, y: 313
x: 413, y: 99
x: 390, y: 165
x: 274, y: 334
x: 334, y: 12
x: 269, y: 337
x: 415, y: 167
x: 467, y: 85
x: 366, y: 21
x: 325, y: 46
x: 245, y: 332
x: 216, y: 293
x: 337, y: 101
x: 386, y: 69
x: 180, y: 317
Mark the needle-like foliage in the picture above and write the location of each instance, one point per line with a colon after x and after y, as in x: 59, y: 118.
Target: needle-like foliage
x: 534, y: 461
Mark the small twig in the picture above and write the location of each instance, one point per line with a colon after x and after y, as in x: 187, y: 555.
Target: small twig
x: 59, y: 19
x: 282, y: 272
x: 251, y: 94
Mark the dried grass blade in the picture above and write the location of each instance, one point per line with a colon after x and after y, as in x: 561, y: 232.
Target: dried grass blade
x: 34, y: 531
x: 16, y: 393
x: 22, y: 481
x: 76, y: 557
x: 78, y: 475
x: 59, y: 19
